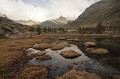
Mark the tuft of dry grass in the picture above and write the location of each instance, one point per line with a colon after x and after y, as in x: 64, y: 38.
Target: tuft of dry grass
x: 11, y: 51
x: 33, y: 72
x: 97, y: 51
x: 42, y: 46
x: 90, y: 44
x: 79, y: 75
x: 60, y: 45
x: 44, y: 57
x: 70, y: 54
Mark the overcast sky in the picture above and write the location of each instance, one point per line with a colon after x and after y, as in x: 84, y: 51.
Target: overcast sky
x: 41, y: 10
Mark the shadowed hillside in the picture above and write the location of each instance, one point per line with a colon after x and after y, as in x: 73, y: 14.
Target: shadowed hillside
x: 7, y: 26
x: 107, y: 11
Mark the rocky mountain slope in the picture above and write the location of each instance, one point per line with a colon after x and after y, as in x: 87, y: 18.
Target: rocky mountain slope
x: 59, y: 22
x: 8, y: 26
x: 106, y: 11
x: 3, y: 15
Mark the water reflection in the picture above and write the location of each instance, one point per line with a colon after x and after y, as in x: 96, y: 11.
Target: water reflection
x: 59, y: 65
x: 108, y: 40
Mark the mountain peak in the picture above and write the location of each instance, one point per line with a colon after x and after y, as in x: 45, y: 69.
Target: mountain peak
x: 62, y: 18
x: 3, y: 15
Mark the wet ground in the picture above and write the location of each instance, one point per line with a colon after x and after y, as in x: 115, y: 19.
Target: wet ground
x: 86, y: 62
x: 103, y: 65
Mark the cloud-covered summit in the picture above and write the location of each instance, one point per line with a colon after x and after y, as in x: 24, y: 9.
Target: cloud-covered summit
x: 41, y: 10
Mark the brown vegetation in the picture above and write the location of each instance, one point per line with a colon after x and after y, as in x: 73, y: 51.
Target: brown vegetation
x: 60, y: 45
x: 43, y: 57
x: 13, y: 58
x: 79, y: 75
x: 33, y: 72
x: 90, y: 44
x: 11, y: 53
x: 97, y: 50
x: 43, y: 46
x: 70, y: 54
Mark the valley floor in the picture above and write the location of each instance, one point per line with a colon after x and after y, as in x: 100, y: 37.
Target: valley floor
x: 14, y: 60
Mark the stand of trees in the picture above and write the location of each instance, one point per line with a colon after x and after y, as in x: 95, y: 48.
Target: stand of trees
x: 100, y: 28
x: 112, y: 28
x: 80, y: 30
x: 40, y: 30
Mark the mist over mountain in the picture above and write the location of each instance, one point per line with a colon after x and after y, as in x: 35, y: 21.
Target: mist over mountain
x: 42, y: 10
x: 3, y: 15
x: 27, y: 22
x: 59, y: 22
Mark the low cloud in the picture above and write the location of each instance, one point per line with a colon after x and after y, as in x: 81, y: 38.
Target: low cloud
x: 18, y: 9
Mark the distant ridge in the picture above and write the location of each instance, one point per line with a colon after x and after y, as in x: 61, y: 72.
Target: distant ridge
x: 59, y: 22
x: 27, y: 22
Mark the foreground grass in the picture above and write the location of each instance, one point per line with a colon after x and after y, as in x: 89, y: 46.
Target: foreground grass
x: 13, y: 58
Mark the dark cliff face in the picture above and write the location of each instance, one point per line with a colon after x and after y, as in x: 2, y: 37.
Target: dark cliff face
x: 106, y: 11
x: 8, y: 25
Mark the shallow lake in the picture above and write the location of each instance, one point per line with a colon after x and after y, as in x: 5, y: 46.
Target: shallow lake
x: 59, y: 65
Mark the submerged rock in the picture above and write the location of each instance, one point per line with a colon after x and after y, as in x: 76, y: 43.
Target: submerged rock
x: 70, y: 54
x: 97, y: 51
x: 43, y: 46
x: 90, y: 44
x: 79, y: 75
